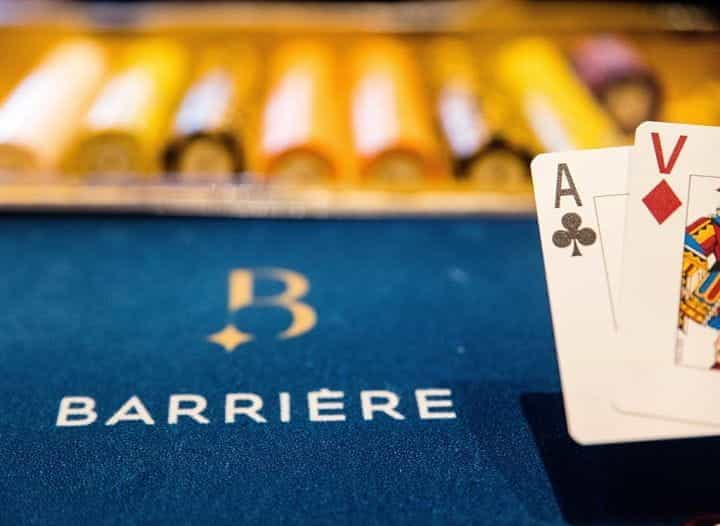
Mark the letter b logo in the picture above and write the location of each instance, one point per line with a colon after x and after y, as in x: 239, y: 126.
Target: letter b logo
x: 242, y: 295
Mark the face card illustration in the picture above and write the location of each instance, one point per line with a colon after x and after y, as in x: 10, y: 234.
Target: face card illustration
x: 580, y: 199
x: 670, y: 297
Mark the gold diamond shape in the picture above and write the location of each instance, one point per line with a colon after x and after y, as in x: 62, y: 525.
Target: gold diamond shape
x: 229, y: 338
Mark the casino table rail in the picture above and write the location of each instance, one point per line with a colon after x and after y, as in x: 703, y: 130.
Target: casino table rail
x: 253, y: 201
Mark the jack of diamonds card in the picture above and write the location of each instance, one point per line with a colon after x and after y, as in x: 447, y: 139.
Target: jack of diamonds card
x: 670, y: 293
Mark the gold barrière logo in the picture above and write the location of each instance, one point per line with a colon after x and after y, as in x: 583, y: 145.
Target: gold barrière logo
x: 241, y: 295
x: 318, y: 405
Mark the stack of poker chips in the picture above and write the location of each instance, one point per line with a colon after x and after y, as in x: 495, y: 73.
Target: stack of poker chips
x: 379, y: 112
x: 37, y: 119
x: 390, y: 117
x: 301, y: 133
x: 479, y: 151
x: 206, y: 141
x: 559, y: 109
x: 122, y: 131
x: 620, y: 79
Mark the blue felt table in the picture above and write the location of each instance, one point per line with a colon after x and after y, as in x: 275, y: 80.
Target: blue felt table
x: 110, y: 307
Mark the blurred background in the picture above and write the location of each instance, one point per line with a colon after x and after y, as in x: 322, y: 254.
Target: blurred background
x: 328, y: 108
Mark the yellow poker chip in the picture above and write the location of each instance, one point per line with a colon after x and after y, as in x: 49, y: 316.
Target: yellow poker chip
x: 205, y: 157
x: 481, y: 156
x: 499, y: 167
x: 206, y: 141
x: 559, y: 109
x: 122, y: 132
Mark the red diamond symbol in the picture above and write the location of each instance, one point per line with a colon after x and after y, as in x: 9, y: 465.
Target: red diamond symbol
x: 662, y: 202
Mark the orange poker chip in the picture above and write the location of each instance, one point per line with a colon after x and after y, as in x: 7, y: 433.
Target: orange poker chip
x: 390, y: 120
x: 301, y: 138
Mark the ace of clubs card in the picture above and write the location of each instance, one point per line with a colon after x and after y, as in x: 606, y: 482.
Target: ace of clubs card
x: 580, y: 199
x: 670, y: 299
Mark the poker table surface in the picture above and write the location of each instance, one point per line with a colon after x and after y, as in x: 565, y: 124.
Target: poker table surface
x: 114, y: 306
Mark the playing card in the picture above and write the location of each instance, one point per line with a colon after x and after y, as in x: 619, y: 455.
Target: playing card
x: 581, y: 198
x: 671, y: 275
